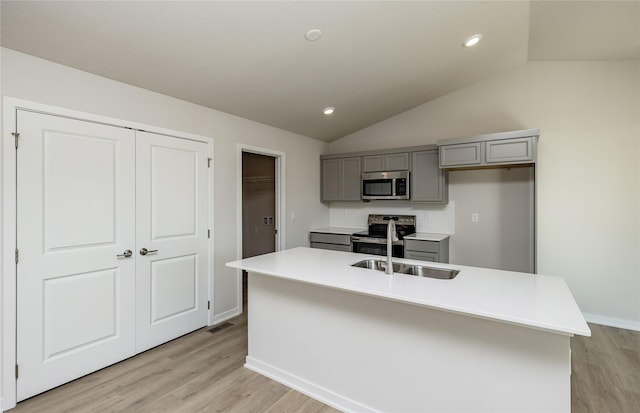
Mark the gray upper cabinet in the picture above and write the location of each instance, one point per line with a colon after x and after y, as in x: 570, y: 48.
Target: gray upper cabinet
x: 461, y: 154
x: 428, y: 181
x: 386, y: 162
x: 496, y: 149
x: 341, y: 179
x: 510, y: 150
x: 373, y: 163
x: 341, y: 174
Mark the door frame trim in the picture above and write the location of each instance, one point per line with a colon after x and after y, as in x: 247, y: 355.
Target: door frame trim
x: 280, y: 203
x: 10, y: 106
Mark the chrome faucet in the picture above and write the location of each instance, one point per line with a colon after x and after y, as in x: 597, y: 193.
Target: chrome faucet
x: 392, y: 236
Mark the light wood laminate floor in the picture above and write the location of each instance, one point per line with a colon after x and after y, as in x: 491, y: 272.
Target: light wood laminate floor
x: 605, y: 371
x: 203, y: 372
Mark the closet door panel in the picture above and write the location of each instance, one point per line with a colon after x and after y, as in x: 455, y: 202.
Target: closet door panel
x: 174, y: 182
x: 171, y: 224
x: 79, y: 190
x: 75, y: 296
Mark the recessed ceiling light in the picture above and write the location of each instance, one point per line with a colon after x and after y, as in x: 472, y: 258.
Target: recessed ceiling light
x: 328, y: 111
x: 313, y: 34
x: 472, y: 41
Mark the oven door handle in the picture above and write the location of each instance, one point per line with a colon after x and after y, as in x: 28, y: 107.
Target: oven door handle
x: 377, y: 241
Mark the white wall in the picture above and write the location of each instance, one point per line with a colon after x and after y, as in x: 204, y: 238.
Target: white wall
x: 588, y: 208
x: 30, y: 78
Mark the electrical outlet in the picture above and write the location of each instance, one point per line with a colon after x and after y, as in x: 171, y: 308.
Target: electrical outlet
x: 293, y: 215
x: 475, y: 217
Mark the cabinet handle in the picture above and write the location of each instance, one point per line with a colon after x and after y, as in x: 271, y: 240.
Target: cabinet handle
x: 144, y: 251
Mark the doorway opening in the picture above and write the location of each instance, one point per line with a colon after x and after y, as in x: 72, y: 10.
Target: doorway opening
x: 259, y: 217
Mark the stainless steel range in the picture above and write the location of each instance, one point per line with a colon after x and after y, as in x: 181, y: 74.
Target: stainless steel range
x: 374, y: 241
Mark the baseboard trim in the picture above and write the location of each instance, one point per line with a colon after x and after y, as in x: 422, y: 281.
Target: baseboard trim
x: 4, y: 406
x: 219, y: 318
x: 312, y: 390
x: 612, y: 321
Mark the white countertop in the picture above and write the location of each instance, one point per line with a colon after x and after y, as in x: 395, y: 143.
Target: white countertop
x: 534, y: 301
x: 427, y: 236
x: 338, y: 230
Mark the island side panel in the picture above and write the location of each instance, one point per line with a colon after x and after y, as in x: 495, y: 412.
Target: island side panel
x: 362, y: 353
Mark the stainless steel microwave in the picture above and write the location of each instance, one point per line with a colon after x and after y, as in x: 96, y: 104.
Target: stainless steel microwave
x: 385, y: 185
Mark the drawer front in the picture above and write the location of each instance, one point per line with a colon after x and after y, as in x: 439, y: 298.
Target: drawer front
x: 462, y: 154
x: 422, y: 256
x: 331, y: 238
x: 510, y: 150
x: 333, y: 247
x: 421, y: 246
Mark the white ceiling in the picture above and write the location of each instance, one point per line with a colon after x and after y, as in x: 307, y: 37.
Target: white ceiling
x: 374, y: 60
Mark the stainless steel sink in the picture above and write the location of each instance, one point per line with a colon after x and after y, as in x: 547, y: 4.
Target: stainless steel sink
x: 431, y: 272
x: 409, y: 269
x: 380, y: 265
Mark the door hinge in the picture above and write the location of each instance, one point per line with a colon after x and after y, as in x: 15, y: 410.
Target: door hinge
x: 16, y: 371
x: 17, y: 255
x: 209, y: 162
x: 16, y: 135
x: 208, y: 305
x: 208, y: 233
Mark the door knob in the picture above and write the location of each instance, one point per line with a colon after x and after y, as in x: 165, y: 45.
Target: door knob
x: 144, y: 251
x: 125, y: 254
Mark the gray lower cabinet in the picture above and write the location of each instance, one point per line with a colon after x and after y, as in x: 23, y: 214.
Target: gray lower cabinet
x: 336, y: 242
x: 434, y: 251
x: 386, y: 162
x: 341, y: 179
x: 428, y: 181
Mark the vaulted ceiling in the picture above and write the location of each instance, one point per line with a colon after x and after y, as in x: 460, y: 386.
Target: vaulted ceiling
x: 373, y: 60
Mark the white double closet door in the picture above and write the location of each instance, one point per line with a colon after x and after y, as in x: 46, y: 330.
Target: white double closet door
x: 91, y: 199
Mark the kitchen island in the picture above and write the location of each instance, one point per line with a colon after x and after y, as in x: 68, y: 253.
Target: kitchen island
x: 364, y: 341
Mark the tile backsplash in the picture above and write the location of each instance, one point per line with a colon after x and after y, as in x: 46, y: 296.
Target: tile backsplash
x: 439, y: 219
